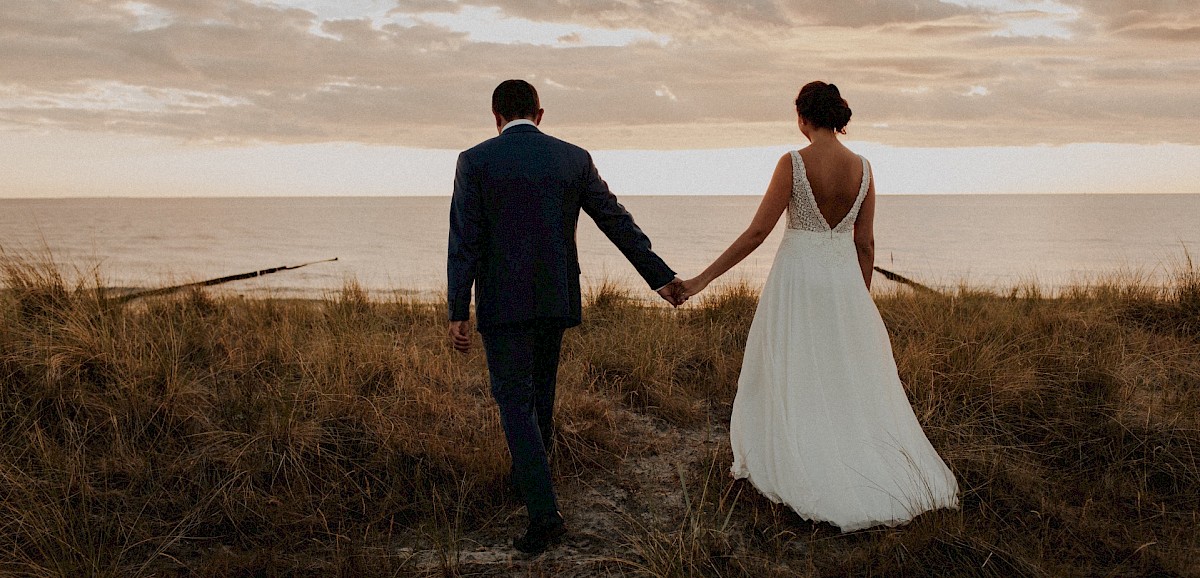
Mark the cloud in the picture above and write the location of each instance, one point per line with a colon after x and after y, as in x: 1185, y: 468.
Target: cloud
x: 614, y: 73
x: 1143, y: 20
x: 425, y: 6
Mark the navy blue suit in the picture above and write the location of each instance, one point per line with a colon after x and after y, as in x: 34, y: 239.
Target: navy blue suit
x: 516, y: 204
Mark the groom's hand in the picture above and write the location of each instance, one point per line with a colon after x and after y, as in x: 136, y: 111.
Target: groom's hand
x: 460, y: 335
x: 673, y: 292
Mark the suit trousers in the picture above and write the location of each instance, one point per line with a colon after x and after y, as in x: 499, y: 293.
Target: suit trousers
x: 522, y: 363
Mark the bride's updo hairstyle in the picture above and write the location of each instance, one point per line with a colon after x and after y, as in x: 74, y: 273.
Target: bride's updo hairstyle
x: 822, y: 105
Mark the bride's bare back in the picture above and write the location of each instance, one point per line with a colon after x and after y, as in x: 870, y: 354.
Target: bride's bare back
x: 835, y: 174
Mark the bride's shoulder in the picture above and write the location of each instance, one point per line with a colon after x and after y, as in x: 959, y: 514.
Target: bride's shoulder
x: 784, y: 170
x: 790, y: 159
x: 865, y: 161
x: 850, y: 159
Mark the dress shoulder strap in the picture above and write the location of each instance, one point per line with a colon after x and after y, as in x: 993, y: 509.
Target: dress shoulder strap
x: 802, y: 208
x: 848, y: 221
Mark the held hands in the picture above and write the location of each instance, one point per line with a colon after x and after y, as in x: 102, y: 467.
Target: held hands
x: 673, y: 292
x: 678, y: 291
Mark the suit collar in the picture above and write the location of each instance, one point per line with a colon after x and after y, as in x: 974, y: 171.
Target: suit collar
x: 520, y: 128
x: 515, y: 122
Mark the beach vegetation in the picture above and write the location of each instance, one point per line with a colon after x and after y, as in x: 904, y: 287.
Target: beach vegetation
x: 205, y: 434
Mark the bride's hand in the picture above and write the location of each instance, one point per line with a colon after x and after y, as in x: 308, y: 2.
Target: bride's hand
x: 693, y: 286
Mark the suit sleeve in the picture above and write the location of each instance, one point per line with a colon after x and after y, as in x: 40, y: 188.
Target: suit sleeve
x: 466, y: 240
x: 617, y: 224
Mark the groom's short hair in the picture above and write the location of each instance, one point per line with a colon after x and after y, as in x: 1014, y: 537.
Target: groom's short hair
x: 515, y: 99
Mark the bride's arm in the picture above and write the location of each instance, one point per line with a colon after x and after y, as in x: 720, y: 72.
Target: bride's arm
x: 779, y: 192
x: 864, y: 233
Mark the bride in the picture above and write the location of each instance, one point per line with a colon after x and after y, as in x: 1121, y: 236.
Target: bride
x: 821, y: 421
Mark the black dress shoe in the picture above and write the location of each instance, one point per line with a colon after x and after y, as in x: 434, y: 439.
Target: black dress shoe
x: 542, y: 533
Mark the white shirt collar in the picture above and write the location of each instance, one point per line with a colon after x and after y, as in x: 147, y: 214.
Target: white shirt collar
x: 519, y: 121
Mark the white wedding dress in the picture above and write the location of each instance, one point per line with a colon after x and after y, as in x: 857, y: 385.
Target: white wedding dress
x: 821, y: 421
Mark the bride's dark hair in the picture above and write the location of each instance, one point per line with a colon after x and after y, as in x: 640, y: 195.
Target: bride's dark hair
x: 822, y: 105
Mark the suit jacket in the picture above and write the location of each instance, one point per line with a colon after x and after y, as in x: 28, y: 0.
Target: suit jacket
x: 516, y: 204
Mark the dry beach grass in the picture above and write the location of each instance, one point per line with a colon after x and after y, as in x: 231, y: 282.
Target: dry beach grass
x: 203, y: 434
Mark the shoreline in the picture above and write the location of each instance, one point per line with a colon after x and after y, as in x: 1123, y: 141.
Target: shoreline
x: 398, y: 244
x: 884, y: 285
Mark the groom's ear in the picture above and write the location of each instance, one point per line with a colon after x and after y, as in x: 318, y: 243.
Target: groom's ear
x: 537, y: 119
x: 499, y: 121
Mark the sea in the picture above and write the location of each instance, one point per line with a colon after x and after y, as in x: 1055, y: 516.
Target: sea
x: 397, y: 245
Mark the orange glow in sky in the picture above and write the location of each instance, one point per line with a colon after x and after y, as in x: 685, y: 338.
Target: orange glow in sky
x: 375, y: 97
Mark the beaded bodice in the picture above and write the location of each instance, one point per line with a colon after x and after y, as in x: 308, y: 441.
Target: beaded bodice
x: 803, y: 213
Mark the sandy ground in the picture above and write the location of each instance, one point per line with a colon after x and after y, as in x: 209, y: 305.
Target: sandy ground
x: 643, y: 490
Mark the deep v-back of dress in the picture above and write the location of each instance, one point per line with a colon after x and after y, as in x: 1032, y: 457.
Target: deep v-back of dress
x: 821, y: 421
x: 804, y: 212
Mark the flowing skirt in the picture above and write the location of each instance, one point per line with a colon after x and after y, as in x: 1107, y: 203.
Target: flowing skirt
x: 821, y: 421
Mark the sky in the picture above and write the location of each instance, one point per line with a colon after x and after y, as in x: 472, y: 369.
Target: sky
x: 376, y: 97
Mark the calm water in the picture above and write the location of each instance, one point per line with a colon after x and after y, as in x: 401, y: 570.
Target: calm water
x: 400, y: 243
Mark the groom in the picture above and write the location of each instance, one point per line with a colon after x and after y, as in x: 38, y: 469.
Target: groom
x: 512, y: 235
